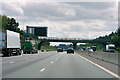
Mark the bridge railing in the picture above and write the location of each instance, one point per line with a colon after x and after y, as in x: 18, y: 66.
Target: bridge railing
x: 55, y: 38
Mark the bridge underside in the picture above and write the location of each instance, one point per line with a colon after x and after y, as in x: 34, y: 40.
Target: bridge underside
x: 71, y: 41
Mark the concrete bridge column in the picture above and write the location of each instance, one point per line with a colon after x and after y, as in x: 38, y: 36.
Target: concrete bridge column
x: 74, y: 45
x: 40, y: 44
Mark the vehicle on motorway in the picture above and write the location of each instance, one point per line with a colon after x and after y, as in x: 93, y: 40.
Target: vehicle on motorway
x: 89, y: 49
x: 83, y: 49
x: 60, y: 50
x: 70, y: 50
x: 34, y: 46
x: 10, y: 43
x: 30, y: 47
x: 64, y: 49
x: 110, y: 48
x: 27, y: 47
x: 42, y: 50
x: 94, y: 48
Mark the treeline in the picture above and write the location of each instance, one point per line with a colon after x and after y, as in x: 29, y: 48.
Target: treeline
x: 10, y: 24
x: 113, y: 38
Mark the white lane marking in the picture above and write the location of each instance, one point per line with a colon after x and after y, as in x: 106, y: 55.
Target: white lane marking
x: 12, y: 62
x: 10, y: 57
x: 52, y: 62
x: 42, y: 70
x: 115, y: 75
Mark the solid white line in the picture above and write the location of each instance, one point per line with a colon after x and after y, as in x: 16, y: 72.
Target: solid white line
x: 52, y: 62
x: 42, y: 70
x: 12, y: 62
x: 115, y: 75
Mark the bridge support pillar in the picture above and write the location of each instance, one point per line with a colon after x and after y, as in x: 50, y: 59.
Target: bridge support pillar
x: 40, y: 44
x: 74, y: 45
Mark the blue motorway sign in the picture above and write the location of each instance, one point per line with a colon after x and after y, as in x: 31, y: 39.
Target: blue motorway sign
x: 62, y: 45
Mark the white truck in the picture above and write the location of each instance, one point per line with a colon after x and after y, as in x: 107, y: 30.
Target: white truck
x: 10, y: 43
x: 110, y: 48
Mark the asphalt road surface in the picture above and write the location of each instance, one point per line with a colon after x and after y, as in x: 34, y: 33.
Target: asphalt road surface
x: 50, y: 65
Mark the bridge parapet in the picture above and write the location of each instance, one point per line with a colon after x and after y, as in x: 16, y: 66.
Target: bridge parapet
x: 55, y: 38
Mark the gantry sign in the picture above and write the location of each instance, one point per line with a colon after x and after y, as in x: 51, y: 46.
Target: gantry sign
x: 35, y: 31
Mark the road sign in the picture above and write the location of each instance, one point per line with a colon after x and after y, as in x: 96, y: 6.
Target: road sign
x: 36, y: 31
x: 62, y: 45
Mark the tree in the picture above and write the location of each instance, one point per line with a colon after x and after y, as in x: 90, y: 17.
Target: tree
x: 9, y: 24
x: 46, y: 44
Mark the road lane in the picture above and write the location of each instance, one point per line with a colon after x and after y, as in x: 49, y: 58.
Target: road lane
x: 12, y: 66
x: 61, y: 65
x: 7, y: 59
x: 23, y: 56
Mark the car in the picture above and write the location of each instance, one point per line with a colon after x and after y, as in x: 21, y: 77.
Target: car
x: 34, y: 51
x: 89, y: 49
x: 94, y: 48
x: 70, y: 50
x: 42, y: 50
x: 60, y: 50
x: 83, y: 49
x: 64, y: 49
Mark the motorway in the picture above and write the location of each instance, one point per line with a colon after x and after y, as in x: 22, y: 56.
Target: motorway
x: 50, y: 65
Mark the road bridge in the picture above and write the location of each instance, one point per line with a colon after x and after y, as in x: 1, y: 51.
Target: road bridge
x: 72, y: 40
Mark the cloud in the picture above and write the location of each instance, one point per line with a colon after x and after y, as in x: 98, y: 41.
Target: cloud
x: 66, y: 19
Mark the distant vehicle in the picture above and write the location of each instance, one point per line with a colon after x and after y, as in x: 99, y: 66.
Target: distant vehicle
x: 65, y: 49
x: 34, y: 50
x: 70, y: 50
x: 60, y: 50
x: 42, y: 50
x: 83, y: 49
x: 10, y: 43
x: 94, y: 48
x: 27, y: 47
x: 89, y: 49
x: 110, y: 48
x: 34, y: 46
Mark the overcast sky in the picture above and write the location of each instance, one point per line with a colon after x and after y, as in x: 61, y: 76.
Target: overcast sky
x: 66, y: 19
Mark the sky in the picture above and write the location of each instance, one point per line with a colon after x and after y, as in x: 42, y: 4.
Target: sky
x: 87, y: 20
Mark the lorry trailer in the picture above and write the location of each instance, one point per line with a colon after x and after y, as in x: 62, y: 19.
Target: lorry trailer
x: 10, y: 43
x: 110, y: 48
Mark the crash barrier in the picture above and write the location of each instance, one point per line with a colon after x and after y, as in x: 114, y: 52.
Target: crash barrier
x: 104, y: 56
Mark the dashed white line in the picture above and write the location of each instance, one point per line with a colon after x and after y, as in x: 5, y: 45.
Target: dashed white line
x: 42, y: 70
x: 52, y: 62
x: 115, y: 75
x: 10, y: 57
x: 12, y: 62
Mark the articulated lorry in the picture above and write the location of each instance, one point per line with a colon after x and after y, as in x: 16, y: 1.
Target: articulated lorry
x: 30, y: 47
x: 27, y: 47
x: 10, y: 43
